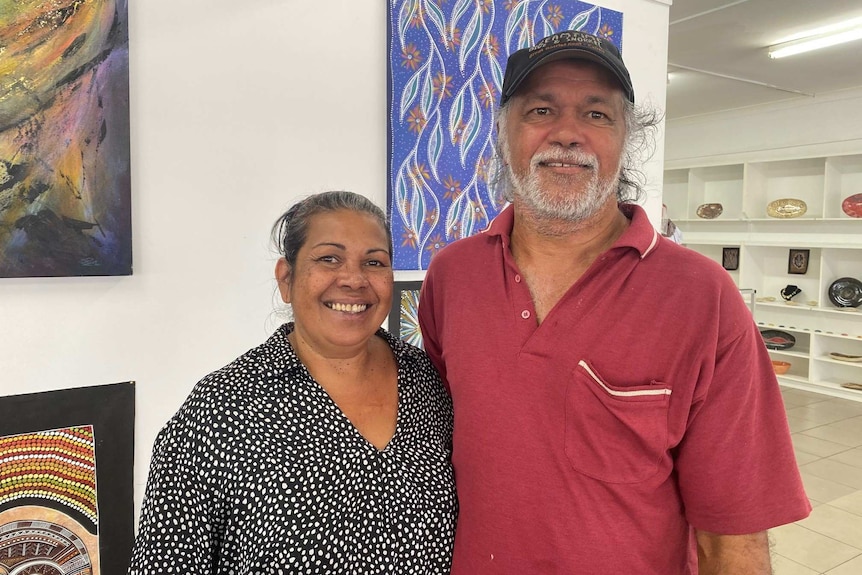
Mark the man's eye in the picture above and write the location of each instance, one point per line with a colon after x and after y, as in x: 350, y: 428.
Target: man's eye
x: 541, y: 111
x: 598, y: 115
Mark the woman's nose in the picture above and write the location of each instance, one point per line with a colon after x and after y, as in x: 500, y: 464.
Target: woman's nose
x: 353, y: 275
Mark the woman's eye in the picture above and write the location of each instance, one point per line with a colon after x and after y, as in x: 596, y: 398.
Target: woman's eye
x: 327, y: 259
x: 377, y: 263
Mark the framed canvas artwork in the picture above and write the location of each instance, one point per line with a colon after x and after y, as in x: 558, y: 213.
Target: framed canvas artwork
x: 404, y: 315
x: 65, y: 192
x: 66, y: 499
x: 446, y: 65
x: 730, y: 258
x: 797, y: 261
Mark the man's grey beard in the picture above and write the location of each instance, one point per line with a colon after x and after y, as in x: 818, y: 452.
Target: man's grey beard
x: 578, y: 206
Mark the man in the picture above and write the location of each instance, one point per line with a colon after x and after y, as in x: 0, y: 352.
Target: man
x: 615, y: 407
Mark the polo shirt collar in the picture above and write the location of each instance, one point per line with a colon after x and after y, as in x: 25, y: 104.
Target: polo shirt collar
x: 640, y: 235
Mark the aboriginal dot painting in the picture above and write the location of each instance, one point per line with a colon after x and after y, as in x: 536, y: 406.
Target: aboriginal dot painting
x: 66, y: 483
x: 404, y: 315
x: 48, y: 482
x: 446, y: 64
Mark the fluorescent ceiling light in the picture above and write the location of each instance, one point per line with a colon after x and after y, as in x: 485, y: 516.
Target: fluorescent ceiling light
x: 815, y: 40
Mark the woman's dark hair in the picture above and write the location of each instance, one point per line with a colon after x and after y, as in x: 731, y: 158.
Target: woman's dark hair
x: 291, y: 230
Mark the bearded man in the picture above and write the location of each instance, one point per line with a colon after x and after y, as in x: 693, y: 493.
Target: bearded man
x: 616, y: 411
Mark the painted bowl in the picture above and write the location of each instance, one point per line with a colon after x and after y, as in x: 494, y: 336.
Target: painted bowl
x: 845, y: 292
x: 786, y: 208
x: 709, y: 211
x: 852, y: 206
x: 777, y: 339
x: 780, y: 367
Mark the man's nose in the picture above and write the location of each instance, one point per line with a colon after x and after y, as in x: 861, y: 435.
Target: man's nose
x: 568, y: 131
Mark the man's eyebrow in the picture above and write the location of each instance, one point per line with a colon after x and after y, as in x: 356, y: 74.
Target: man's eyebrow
x: 598, y: 99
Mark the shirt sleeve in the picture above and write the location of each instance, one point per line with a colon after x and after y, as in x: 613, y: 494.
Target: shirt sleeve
x: 178, y: 530
x: 736, y: 467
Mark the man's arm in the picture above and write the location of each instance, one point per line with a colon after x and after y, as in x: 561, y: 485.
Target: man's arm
x: 733, y: 554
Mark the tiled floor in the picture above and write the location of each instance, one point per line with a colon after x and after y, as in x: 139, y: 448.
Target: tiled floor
x: 827, y: 435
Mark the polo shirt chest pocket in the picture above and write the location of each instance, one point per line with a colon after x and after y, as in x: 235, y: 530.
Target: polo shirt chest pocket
x: 615, y: 434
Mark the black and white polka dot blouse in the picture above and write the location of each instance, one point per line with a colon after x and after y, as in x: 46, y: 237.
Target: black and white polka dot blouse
x: 259, y: 472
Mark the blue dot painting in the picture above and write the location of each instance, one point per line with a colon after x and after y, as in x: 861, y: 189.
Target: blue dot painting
x: 446, y: 65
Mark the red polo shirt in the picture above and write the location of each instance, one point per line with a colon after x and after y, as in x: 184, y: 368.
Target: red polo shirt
x: 643, y: 406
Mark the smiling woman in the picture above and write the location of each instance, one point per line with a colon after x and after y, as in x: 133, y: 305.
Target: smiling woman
x: 338, y: 280
x: 326, y: 449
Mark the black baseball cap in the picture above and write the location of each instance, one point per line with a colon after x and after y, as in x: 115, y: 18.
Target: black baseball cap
x: 569, y: 45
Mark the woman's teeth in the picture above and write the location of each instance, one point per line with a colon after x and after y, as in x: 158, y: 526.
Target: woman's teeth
x: 349, y: 307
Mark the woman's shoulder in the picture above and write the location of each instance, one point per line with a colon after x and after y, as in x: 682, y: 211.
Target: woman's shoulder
x: 252, y: 375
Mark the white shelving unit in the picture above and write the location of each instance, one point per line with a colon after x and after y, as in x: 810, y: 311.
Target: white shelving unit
x: 833, y: 240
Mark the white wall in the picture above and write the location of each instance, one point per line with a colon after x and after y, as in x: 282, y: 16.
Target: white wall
x: 645, y: 33
x: 827, y: 124
x: 238, y: 109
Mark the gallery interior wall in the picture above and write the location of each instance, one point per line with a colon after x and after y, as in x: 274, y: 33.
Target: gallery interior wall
x: 811, y: 126
x: 237, y: 110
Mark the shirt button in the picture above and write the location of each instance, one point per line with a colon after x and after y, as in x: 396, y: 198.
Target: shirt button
x: 517, y: 278
x: 525, y: 314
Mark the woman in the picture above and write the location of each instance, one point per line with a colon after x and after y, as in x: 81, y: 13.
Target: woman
x: 324, y: 450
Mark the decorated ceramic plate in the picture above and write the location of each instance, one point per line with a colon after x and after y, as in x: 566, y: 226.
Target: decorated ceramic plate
x: 709, y: 211
x: 776, y: 339
x: 845, y: 357
x: 852, y: 206
x: 786, y: 208
x: 845, y: 292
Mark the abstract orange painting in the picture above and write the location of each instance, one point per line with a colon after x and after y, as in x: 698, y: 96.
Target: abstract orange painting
x: 65, y: 206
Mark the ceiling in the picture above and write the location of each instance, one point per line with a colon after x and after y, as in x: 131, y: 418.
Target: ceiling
x: 717, y: 54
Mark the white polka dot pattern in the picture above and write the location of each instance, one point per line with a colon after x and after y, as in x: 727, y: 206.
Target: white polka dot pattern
x: 260, y: 472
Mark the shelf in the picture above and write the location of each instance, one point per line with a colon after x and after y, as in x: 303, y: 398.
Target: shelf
x: 792, y: 378
x: 768, y: 252
x: 837, y: 335
x: 804, y: 219
x: 828, y: 359
x: 833, y: 389
x: 792, y: 352
x: 787, y: 221
x: 806, y: 307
